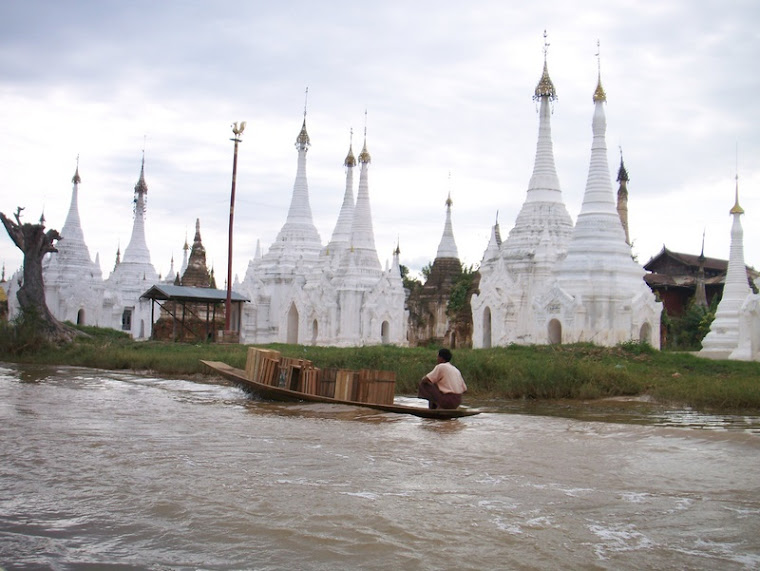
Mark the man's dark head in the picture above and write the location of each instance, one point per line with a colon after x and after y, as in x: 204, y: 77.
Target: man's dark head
x: 445, y: 355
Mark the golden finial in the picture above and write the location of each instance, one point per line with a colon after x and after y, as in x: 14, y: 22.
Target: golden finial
x: 350, y: 159
x: 545, y: 87
x: 737, y: 209
x: 76, y: 178
x: 599, y: 94
x: 364, y: 156
x: 302, y: 141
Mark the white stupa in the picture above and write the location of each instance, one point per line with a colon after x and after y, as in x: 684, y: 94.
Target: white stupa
x: 601, y: 295
x: 132, y: 276
x: 73, y: 282
x: 337, y: 295
x: 723, y: 339
x: 447, y: 247
x: 298, y: 239
x: 503, y: 311
x: 341, y: 236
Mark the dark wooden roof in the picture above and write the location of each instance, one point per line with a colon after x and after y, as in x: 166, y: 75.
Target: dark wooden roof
x: 168, y: 292
x: 688, y: 260
x: 666, y: 260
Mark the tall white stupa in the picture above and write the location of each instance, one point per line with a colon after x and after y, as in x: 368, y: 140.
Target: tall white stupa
x: 132, y: 276
x: 723, y: 338
x: 610, y: 302
x: 341, y: 236
x: 503, y: 310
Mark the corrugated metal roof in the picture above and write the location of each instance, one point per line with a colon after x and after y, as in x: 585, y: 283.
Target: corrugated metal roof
x: 184, y: 293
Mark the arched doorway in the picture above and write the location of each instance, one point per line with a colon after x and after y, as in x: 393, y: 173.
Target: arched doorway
x: 487, y: 328
x: 385, y: 333
x: 292, y: 337
x: 80, y: 317
x: 555, y: 332
x: 645, y: 334
x: 453, y: 340
x: 314, y: 332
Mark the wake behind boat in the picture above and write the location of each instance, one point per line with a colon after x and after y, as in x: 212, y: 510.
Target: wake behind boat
x: 272, y: 377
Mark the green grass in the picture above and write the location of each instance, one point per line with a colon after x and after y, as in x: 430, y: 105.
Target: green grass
x: 580, y: 371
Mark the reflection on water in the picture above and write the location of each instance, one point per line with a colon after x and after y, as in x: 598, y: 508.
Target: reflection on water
x: 108, y: 469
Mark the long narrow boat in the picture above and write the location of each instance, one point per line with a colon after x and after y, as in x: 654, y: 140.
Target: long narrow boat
x: 268, y: 392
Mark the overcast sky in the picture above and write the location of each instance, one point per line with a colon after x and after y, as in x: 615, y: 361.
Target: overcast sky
x: 447, y: 87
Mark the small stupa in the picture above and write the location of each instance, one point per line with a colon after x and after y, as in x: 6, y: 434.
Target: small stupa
x: 723, y: 337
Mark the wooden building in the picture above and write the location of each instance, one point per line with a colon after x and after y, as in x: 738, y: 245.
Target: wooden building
x: 676, y: 278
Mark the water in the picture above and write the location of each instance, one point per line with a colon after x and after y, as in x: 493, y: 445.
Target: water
x: 110, y: 470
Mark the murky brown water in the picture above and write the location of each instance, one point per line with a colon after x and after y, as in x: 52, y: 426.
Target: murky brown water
x: 109, y: 470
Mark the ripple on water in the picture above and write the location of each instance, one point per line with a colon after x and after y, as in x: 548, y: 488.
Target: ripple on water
x: 114, y: 469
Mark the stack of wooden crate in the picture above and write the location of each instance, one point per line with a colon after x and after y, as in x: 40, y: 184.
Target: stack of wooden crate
x: 366, y: 385
x: 263, y: 365
x: 296, y: 373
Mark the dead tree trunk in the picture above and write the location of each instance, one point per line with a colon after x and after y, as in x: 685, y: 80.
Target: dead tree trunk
x: 34, y: 242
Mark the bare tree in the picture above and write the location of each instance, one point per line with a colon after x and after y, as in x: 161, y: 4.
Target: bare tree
x: 35, y: 242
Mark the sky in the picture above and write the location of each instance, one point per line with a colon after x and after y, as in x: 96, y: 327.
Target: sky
x: 444, y: 90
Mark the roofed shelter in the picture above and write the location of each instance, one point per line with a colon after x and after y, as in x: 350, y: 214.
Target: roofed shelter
x: 196, y: 312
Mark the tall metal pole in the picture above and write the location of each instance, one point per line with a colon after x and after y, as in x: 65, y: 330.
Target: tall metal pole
x: 237, y: 131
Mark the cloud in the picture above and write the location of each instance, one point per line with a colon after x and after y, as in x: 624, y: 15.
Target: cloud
x: 447, y: 88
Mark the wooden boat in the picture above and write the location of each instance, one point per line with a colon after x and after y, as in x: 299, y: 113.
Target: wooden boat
x: 270, y: 392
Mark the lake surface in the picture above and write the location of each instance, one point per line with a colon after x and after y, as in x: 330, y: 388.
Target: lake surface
x: 112, y: 470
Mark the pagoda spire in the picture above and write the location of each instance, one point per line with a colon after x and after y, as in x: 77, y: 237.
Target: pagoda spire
x: 544, y: 184
x: 598, y: 252
x: 197, y: 274
x: 447, y: 248
x: 622, y: 198
x: 362, y: 234
x: 72, y: 262
x: 299, y: 233
x: 543, y: 208
x: 700, y: 295
x: 342, y: 232
x: 723, y: 337
x: 599, y: 94
x: 302, y: 141
x: 137, y: 249
x: 72, y: 228
x: 395, y: 269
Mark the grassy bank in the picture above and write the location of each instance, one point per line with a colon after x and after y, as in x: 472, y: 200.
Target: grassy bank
x: 515, y: 372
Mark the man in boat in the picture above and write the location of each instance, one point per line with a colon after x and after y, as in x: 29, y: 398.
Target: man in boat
x: 443, y: 386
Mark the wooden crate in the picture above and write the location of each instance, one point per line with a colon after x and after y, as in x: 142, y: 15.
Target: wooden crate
x: 291, y: 372
x: 376, y: 386
x: 269, y: 372
x: 254, y: 362
x: 345, y: 382
x: 384, y: 387
x: 309, y: 382
x: 327, y: 383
